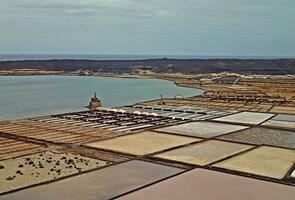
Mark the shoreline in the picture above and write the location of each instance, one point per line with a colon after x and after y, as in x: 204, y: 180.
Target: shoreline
x: 125, y: 76
x: 187, y: 81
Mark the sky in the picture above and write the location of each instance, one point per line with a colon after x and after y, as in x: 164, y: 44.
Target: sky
x: 152, y: 27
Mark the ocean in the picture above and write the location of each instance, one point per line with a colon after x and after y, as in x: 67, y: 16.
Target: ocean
x: 31, y: 96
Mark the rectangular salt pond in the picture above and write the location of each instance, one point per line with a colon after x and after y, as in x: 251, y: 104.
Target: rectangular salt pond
x: 279, y: 123
x: 284, y: 117
x: 281, y: 138
x: 246, y: 117
x: 100, y: 184
x: 142, y: 143
x: 202, y: 129
x: 41, y: 167
x: 204, y: 184
x: 204, y: 152
x: 10, y: 148
x: 263, y: 161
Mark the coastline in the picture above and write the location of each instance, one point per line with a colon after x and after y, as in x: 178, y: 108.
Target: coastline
x: 168, y: 77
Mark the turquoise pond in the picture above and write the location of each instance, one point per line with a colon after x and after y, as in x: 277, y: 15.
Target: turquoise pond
x: 30, y: 96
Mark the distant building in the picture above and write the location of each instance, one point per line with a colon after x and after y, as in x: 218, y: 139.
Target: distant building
x: 85, y: 73
x: 94, y: 103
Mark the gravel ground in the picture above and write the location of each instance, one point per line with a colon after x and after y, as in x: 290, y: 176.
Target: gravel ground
x: 37, y: 168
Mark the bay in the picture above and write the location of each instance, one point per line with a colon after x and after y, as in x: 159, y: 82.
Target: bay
x: 31, y: 96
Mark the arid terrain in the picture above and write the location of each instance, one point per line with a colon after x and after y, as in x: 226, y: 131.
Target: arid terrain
x: 238, y: 134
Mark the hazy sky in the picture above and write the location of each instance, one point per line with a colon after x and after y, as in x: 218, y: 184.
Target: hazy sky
x: 194, y: 27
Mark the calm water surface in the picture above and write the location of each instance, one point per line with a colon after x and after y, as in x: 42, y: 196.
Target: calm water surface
x: 29, y: 96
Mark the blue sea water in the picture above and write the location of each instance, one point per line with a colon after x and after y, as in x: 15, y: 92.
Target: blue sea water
x: 30, y: 96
